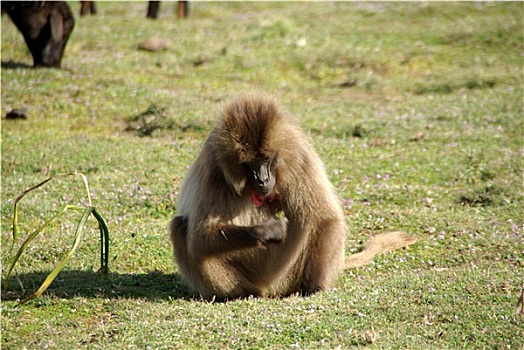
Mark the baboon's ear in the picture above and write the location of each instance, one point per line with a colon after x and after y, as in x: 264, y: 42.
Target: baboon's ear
x: 57, y: 26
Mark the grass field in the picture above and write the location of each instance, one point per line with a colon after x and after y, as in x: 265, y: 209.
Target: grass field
x: 415, y: 108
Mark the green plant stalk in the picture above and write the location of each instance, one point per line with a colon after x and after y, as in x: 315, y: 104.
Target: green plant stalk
x: 86, y: 184
x: 59, y: 267
x: 104, y: 235
x: 104, y: 244
x: 15, y: 213
x: 22, y: 195
x: 33, y: 235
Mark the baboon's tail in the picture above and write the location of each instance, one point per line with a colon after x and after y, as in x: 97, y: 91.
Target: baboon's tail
x: 379, y: 245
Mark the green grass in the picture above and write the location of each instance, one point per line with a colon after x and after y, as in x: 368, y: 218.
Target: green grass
x: 415, y: 108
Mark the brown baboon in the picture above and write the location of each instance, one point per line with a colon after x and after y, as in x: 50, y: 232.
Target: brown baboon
x: 229, y: 237
x: 45, y: 25
x: 154, y: 6
x: 87, y: 7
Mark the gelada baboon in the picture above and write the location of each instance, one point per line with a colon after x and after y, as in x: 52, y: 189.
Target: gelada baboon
x: 230, y: 238
x: 45, y: 25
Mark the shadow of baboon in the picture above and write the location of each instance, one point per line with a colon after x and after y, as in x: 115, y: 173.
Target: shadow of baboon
x: 154, y: 285
x: 45, y: 25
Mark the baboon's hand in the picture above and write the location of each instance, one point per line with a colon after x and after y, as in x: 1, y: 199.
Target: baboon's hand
x: 272, y: 230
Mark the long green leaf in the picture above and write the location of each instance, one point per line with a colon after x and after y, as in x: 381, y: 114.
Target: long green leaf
x: 22, y: 195
x: 86, y: 184
x: 104, y: 244
x: 59, y: 267
x: 33, y: 235
x: 15, y: 213
x: 104, y: 234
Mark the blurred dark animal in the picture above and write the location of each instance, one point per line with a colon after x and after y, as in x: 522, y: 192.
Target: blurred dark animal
x: 45, y: 25
x: 154, y: 7
x: 87, y: 7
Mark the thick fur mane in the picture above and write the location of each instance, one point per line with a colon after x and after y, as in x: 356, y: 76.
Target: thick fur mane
x: 229, y: 238
x: 250, y: 127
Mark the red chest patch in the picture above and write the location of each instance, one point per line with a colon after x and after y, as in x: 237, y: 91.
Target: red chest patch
x: 258, y: 199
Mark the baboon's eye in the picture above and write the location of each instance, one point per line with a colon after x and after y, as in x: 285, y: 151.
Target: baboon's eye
x: 250, y: 169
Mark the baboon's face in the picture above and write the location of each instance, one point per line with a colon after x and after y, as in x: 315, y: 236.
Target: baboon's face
x: 260, y: 174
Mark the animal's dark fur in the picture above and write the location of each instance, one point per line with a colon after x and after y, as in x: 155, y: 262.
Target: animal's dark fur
x: 45, y: 25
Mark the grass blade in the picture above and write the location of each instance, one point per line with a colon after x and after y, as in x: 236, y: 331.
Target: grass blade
x: 15, y: 213
x: 104, y: 244
x: 59, y: 267
x: 87, y: 210
x: 22, y: 195
x: 33, y: 235
x: 86, y: 184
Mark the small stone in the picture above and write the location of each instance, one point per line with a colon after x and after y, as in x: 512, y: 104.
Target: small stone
x: 155, y: 44
x: 17, y: 113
